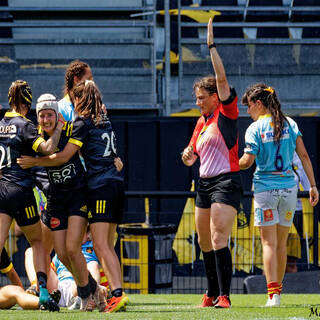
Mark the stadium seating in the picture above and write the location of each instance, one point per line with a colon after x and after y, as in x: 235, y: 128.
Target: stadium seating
x: 305, y: 16
x: 266, y: 44
x: 47, y: 36
x: 225, y: 15
x: 265, y: 15
x: 257, y: 40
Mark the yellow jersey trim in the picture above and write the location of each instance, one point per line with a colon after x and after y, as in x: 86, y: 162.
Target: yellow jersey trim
x: 12, y: 114
x: 37, y: 143
x: 76, y: 142
x: 268, y: 115
x: 67, y: 97
x: 7, y: 269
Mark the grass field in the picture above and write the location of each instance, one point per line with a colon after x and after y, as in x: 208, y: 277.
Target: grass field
x: 293, y: 306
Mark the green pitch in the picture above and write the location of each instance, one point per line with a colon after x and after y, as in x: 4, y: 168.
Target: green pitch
x: 176, y: 307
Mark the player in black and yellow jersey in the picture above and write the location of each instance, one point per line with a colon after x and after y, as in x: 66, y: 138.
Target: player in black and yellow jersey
x: 66, y: 211
x: 92, y: 132
x: 18, y: 136
x: 6, y: 267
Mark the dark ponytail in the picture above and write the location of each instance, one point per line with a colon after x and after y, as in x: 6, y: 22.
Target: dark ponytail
x: 269, y: 99
x: 19, y: 94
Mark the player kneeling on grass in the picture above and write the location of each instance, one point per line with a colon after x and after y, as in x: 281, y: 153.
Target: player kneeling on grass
x: 14, y: 294
x: 60, y: 278
x: 11, y: 295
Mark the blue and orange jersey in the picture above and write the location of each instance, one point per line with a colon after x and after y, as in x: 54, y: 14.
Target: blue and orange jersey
x: 18, y: 136
x: 60, y: 269
x: 66, y: 108
x: 62, y: 272
x: 215, y: 139
x: 98, y: 149
x: 273, y: 160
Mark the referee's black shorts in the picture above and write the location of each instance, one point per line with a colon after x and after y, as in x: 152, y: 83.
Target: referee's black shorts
x: 225, y: 188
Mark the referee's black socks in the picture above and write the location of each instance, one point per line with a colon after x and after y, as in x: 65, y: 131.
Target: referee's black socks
x: 224, y: 270
x: 209, y: 260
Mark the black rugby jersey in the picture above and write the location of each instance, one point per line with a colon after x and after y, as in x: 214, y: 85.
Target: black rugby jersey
x: 18, y: 136
x: 69, y: 175
x: 5, y: 261
x: 40, y: 179
x: 98, y: 149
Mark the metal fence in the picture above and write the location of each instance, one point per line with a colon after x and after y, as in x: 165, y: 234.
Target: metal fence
x: 164, y: 258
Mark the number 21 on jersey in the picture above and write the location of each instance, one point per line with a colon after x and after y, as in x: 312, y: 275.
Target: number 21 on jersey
x: 5, y: 157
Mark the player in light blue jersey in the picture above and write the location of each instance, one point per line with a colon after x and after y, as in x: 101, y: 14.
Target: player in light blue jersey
x: 271, y: 142
x: 76, y: 72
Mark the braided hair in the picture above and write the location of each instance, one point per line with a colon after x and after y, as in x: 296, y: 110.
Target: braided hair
x: 89, y: 104
x: 269, y: 99
x: 19, y: 94
x: 77, y: 69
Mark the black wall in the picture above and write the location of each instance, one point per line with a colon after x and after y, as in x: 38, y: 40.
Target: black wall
x: 150, y: 148
x: 151, y: 151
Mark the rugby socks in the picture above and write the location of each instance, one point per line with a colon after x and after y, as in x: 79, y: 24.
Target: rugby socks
x: 33, y: 283
x: 224, y: 270
x: 209, y: 259
x: 274, y: 288
x: 43, y: 291
x: 117, y: 292
x: 93, y: 283
x: 280, y: 288
x: 84, y: 292
x: 42, y: 279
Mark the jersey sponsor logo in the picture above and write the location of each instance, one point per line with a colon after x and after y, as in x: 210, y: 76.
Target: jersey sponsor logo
x: 61, y: 176
x: 288, y: 215
x: 8, y: 130
x: 54, y: 223
x: 267, y: 215
x: 269, y: 135
x: 30, y: 212
x: 89, y: 215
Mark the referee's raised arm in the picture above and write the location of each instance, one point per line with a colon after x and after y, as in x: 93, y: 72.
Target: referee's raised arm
x: 221, y: 78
